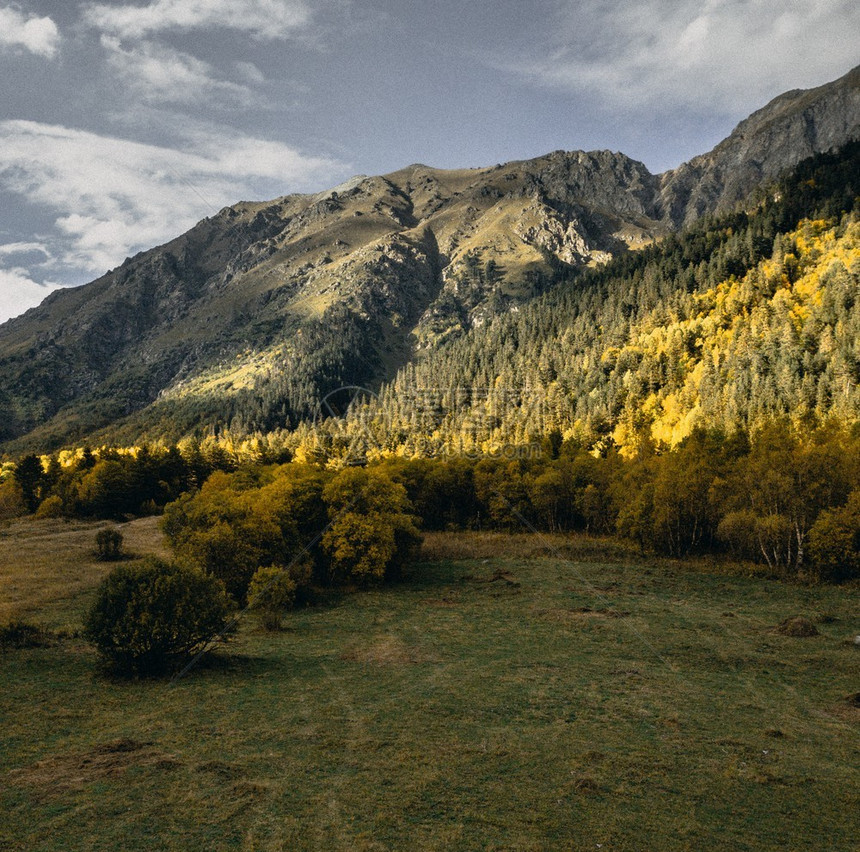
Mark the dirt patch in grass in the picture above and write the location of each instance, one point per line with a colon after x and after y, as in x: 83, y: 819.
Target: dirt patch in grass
x: 444, y: 601
x: 68, y: 772
x: 579, y: 614
x: 797, y: 626
x: 386, y: 651
x: 853, y: 700
x: 221, y: 769
x: 500, y: 575
x: 848, y: 710
x: 585, y: 784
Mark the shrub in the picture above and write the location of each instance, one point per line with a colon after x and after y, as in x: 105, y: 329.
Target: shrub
x: 50, y: 507
x: 770, y: 538
x: 230, y: 533
x: 108, y: 544
x: 21, y: 634
x: 834, y: 542
x: 272, y: 591
x: 151, y: 617
x: 11, y: 500
x: 225, y: 551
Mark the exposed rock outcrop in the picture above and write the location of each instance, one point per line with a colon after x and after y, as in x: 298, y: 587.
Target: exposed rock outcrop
x: 789, y: 129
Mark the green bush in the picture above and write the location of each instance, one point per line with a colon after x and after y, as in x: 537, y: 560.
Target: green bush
x: 50, y: 507
x: 834, y: 542
x: 373, y: 530
x: 108, y: 544
x: 271, y: 593
x: 229, y: 529
x: 151, y: 617
x: 11, y: 500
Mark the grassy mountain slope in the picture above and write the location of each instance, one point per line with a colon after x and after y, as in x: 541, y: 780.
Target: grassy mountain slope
x: 252, y: 315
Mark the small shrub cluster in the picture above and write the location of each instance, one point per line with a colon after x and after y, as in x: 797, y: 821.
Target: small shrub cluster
x: 357, y: 526
x: 109, y: 544
x: 271, y: 593
x: 21, y: 634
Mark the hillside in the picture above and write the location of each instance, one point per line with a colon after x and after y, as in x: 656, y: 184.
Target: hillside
x: 284, y: 301
x: 739, y: 320
x: 789, y: 129
x: 247, y: 320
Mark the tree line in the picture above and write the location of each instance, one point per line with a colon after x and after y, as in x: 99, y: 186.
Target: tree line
x: 785, y: 498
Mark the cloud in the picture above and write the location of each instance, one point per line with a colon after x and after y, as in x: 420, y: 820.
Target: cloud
x: 250, y: 72
x: 264, y: 19
x: 38, y: 35
x: 160, y: 74
x: 18, y: 293
x: 111, y: 197
x: 23, y: 248
x: 729, y: 55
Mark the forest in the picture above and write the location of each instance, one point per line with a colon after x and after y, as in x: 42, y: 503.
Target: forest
x: 738, y: 321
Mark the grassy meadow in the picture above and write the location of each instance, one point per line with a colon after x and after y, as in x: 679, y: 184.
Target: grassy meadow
x: 514, y: 693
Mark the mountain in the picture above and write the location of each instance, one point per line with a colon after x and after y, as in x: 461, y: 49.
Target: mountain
x: 252, y: 316
x: 772, y: 140
x: 739, y: 321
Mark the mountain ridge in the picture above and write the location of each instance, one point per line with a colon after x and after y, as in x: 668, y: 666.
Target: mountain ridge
x: 286, y: 299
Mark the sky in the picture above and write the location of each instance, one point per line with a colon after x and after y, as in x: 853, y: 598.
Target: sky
x: 124, y: 123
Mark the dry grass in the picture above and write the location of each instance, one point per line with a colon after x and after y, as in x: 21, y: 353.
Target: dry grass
x: 64, y: 773
x: 514, y: 703
x: 798, y: 626
x: 386, y: 651
x: 440, y: 546
x: 48, y: 567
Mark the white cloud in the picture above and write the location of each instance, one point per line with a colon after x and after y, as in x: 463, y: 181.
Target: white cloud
x: 23, y: 248
x: 112, y: 197
x: 250, y: 72
x: 160, y: 74
x: 19, y: 293
x: 729, y: 55
x: 38, y: 35
x: 267, y: 19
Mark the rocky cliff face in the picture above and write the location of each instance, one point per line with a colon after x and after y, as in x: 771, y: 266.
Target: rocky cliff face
x: 265, y: 300
x: 789, y: 129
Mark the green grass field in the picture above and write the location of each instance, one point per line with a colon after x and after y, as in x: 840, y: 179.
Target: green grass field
x: 511, y: 700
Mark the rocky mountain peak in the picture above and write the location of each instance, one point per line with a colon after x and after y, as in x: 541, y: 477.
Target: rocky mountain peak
x: 792, y: 127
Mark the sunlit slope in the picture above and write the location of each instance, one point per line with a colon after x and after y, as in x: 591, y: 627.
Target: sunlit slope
x: 782, y: 340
